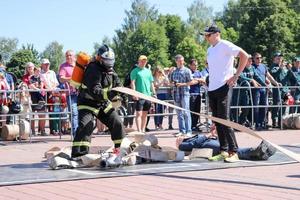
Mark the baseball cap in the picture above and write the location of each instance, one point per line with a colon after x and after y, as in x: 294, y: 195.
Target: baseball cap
x: 45, y: 61
x: 277, y: 54
x: 143, y: 57
x: 211, y: 29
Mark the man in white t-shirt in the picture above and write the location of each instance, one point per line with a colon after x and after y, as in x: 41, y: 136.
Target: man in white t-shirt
x: 220, y: 58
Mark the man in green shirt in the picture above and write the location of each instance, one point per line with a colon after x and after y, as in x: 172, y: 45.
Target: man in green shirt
x: 142, y: 81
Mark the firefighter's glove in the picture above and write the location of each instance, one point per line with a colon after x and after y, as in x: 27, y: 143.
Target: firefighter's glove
x: 116, y: 102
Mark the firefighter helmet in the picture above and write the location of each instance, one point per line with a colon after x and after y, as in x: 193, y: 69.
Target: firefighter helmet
x: 107, y: 56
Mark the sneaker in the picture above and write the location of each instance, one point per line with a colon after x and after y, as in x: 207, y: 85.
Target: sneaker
x: 219, y: 157
x: 232, y: 158
x: 189, y: 134
x: 179, y: 134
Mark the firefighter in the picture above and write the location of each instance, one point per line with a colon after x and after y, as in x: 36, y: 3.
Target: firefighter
x: 95, y: 99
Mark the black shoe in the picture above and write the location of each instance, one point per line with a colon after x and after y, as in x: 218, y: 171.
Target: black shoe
x: 147, y: 129
x: 171, y: 127
x: 258, y: 128
x: 247, y: 124
x: 263, y: 151
x: 195, y: 129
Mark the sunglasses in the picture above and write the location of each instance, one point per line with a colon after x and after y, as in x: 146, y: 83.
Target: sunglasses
x: 208, y: 35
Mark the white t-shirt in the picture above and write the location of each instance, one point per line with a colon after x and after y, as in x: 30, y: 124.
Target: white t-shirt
x: 220, y: 60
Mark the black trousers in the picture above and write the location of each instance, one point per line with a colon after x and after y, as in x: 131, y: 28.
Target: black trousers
x: 86, y: 126
x: 195, y: 106
x: 219, y: 101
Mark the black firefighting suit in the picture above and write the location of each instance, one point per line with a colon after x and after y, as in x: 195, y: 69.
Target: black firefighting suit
x: 94, y: 99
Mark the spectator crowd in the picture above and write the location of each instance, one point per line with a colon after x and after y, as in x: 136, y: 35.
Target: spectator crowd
x: 258, y: 86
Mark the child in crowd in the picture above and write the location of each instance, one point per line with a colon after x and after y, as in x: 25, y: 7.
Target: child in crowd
x: 57, y: 102
x: 37, y: 84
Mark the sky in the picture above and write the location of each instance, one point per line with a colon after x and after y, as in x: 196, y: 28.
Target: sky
x: 76, y: 24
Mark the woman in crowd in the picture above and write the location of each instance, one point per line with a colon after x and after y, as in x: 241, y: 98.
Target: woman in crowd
x: 160, y: 81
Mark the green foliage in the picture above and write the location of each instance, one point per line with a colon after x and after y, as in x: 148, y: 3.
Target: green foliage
x: 140, y: 12
x: 190, y: 49
x: 97, y: 45
x: 18, y: 60
x: 124, y: 59
x: 175, y: 30
x: 54, y: 52
x: 265, y: 26
x: 199, y: 16
x: 228, y: 33
x: 150, y: 39
x: 7, y: 47
x: 31, y: 48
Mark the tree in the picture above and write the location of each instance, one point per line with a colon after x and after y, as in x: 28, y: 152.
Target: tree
x: 228, y: 33
x: 140, y: 12
x: 18, y: 60
x: 175, y: 31
x: 97, y: 45
x: 199, y: 16
x: 265, y: 26
x: 31, y: 48
x: 54, y: 52
x: 190, y: 49
x: 150, y: 39
x: 7, y: 47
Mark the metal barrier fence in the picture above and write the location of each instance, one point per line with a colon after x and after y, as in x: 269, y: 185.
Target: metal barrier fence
x: 283, y: 108
x: 237, y: 107
x: 16, y: 95
x: 9, y: 96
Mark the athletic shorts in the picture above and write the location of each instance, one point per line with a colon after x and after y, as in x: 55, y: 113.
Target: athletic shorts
x: 143, y: 105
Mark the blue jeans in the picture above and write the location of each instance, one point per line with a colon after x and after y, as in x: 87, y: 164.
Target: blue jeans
x: 201, y: 141
x: 159, y: 110
x: 259, y: 98
x: 184, y: 117
x: 72, y: 107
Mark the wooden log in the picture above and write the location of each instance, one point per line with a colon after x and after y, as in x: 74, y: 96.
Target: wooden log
x: 201, y: 153
x: 10, y: 132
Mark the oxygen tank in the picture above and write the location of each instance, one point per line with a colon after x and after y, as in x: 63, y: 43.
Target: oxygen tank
x: 82, y: 60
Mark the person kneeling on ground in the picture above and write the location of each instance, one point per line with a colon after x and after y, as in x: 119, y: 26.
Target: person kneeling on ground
x: 262, y: 152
